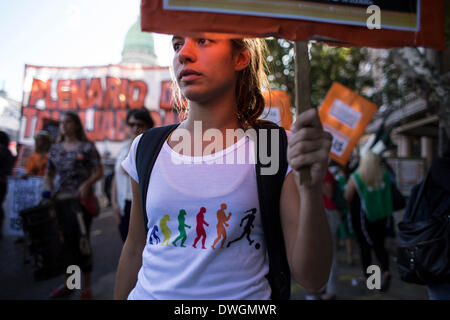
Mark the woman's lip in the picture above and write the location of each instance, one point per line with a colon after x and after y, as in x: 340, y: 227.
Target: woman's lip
x: 190, y: 77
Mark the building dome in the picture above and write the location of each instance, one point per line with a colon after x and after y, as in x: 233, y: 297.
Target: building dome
x: 139, y: 46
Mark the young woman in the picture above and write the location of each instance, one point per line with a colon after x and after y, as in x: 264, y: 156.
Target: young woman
x: 138, y: 120
x: 222, y: 80
x: 372, y: 185
x: 76, y: 162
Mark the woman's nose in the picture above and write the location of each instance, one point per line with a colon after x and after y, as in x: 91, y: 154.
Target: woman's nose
x: 187, y: 51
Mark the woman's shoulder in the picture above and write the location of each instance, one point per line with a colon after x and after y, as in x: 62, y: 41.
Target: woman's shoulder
x: 88, y: 145
x: 56, y: 146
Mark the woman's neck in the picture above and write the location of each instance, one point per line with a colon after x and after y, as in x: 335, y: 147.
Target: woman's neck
x: 218, y: 114
x: 71, y: 139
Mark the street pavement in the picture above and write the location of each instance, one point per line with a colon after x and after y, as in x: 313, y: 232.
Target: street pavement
x: 16, y: 280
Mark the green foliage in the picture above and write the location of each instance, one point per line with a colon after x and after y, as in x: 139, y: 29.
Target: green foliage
x: 328, y: 64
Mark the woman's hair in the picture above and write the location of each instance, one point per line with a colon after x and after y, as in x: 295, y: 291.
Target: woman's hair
x: 251, y: 80
x: 141, y: 114
x: 80, y: 134
x: 370, y: 169
x: 249, y: 85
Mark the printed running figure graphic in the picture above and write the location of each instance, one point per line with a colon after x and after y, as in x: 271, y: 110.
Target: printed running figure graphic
x: 200, y: 229
x: 154, y: 234
x: 181, y: 228
x: 165, y: 230
x: 248, y: 227
x: 221, y: 224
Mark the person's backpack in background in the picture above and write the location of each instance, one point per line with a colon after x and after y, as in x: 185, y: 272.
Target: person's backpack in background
x: 424, y: 233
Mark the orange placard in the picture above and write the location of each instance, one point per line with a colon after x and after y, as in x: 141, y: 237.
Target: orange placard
x: 278, y: 108
x: 345, y: 115
x: 415, y: 23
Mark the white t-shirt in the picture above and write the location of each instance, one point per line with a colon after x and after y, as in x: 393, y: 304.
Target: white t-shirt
x: 195, y: 201
x: 123, y: 184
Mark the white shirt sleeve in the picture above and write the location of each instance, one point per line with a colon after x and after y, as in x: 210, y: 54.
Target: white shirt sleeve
x: 129, y: 164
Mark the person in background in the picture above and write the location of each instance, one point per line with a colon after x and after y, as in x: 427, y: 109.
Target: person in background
x: 37, y: 162
x: 371, y: 183
x: 345, y: 231
x: 108, y: 165
x: 6, y: 165
x: 138, y: 121
x: 329, y: 291
x: 76, y: 162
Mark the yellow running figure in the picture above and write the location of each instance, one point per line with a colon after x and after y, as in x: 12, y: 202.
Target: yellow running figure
x: 165, y: 230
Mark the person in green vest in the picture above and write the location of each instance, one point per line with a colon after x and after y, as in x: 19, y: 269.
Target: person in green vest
x: 372, y: 185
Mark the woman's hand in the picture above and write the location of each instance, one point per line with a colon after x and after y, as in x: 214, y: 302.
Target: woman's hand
x: 309, y: 147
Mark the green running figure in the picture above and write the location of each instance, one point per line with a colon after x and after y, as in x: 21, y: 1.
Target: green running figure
x: 165, y: 230
x: 181, y: 228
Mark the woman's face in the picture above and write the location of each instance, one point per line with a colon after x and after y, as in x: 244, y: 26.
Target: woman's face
x: 68, y: 126
x: 135, y: 127
x: 205, y: 68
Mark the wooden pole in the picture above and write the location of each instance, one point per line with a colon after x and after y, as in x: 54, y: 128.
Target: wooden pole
x: 302, y: 90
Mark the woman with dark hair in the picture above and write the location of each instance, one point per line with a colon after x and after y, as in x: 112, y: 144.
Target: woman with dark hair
x: 6, y: 165
x: 138, y: 120
x: 222, y: 80
x: 75, y: 161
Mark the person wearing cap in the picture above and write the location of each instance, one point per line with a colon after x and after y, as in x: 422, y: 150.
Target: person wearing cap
x: 38, y: 160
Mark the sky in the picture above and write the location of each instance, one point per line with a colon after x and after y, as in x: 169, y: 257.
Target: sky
x: 65, y: 33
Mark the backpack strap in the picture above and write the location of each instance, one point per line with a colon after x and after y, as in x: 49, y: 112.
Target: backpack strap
x: 269, y: 193
x: 147, y: 151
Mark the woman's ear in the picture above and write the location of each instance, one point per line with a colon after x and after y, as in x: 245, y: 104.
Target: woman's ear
x: 241, y: 60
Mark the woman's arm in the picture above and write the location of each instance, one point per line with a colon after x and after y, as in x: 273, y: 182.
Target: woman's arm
x: 131, y: 257
x: 48, y: 179
x: 350, y: 190
x: 85, y: 187
x: 306, y: 233
x: 305, y: 226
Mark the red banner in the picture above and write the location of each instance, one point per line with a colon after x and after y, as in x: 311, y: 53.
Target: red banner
x: 101, y: 96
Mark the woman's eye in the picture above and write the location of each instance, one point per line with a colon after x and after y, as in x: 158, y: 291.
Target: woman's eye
x: 176, y: 46
x: 203, y: 41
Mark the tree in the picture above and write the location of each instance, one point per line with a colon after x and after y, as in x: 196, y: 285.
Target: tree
x: 328, y: 64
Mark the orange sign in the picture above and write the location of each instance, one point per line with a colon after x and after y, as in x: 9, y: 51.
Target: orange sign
x: 348, y: 23
x: 278, y: 108
x: 345, y: 115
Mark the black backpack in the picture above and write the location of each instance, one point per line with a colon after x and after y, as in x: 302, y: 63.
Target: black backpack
x: 269, y: 191
x: 423, y: 252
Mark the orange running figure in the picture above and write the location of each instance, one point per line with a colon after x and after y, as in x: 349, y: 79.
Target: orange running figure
x: 221, y: 224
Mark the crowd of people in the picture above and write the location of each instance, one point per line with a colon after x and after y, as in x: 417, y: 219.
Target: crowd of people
x: 70, y: 166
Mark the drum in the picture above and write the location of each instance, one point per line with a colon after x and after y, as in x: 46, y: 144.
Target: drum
x: 56, y: 237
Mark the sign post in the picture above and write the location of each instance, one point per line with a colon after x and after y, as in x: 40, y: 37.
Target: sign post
x: 302, y: 89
